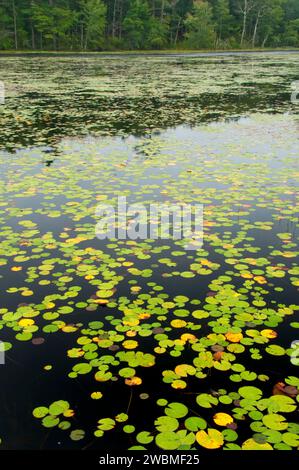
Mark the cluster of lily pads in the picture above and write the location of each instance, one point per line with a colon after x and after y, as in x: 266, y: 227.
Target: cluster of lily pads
x: 51, y: 97
x: 199, y: 344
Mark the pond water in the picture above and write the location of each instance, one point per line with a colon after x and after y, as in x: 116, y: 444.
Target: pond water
x: 142, y: 344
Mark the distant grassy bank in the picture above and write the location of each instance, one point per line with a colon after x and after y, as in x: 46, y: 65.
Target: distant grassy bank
x: 151, y: 52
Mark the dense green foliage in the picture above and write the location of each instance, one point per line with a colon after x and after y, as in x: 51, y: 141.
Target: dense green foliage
x: 147, y: 24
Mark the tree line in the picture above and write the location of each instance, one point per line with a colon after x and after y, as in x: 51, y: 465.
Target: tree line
x: 91, y: 25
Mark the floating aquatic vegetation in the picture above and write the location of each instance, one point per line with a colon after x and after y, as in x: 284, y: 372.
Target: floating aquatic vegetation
x: 153, y: 346
x: 63, y: 96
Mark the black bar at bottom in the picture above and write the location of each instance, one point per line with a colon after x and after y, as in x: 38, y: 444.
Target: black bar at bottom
x: 138, y: 459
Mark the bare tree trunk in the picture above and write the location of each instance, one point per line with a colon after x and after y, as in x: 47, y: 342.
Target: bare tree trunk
x: 14, y: 12
x: 177, y: 31
x: 173, y: 5
x: 32, y: 38
x: 82, y: 36
x: 32, y: 29
x: 244, y: 11
x: 86, y: 39
x: 265, y: 40
x: 114, y: 19
x: 220, y: 32
x: 54, y: 37
x: 255, y: 28
x: 153, y: 8
x: 162, y: 10
x: 120, y: 19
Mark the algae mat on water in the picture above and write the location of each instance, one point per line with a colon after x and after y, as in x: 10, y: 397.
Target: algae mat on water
x: 140, y: 344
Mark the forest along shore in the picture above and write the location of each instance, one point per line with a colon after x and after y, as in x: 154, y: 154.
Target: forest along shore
x: 94, y: 25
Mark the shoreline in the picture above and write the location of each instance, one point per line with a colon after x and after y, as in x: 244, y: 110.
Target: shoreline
x: 166, y: 52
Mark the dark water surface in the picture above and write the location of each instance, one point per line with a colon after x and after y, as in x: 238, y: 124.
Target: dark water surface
x: 115, y: 344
